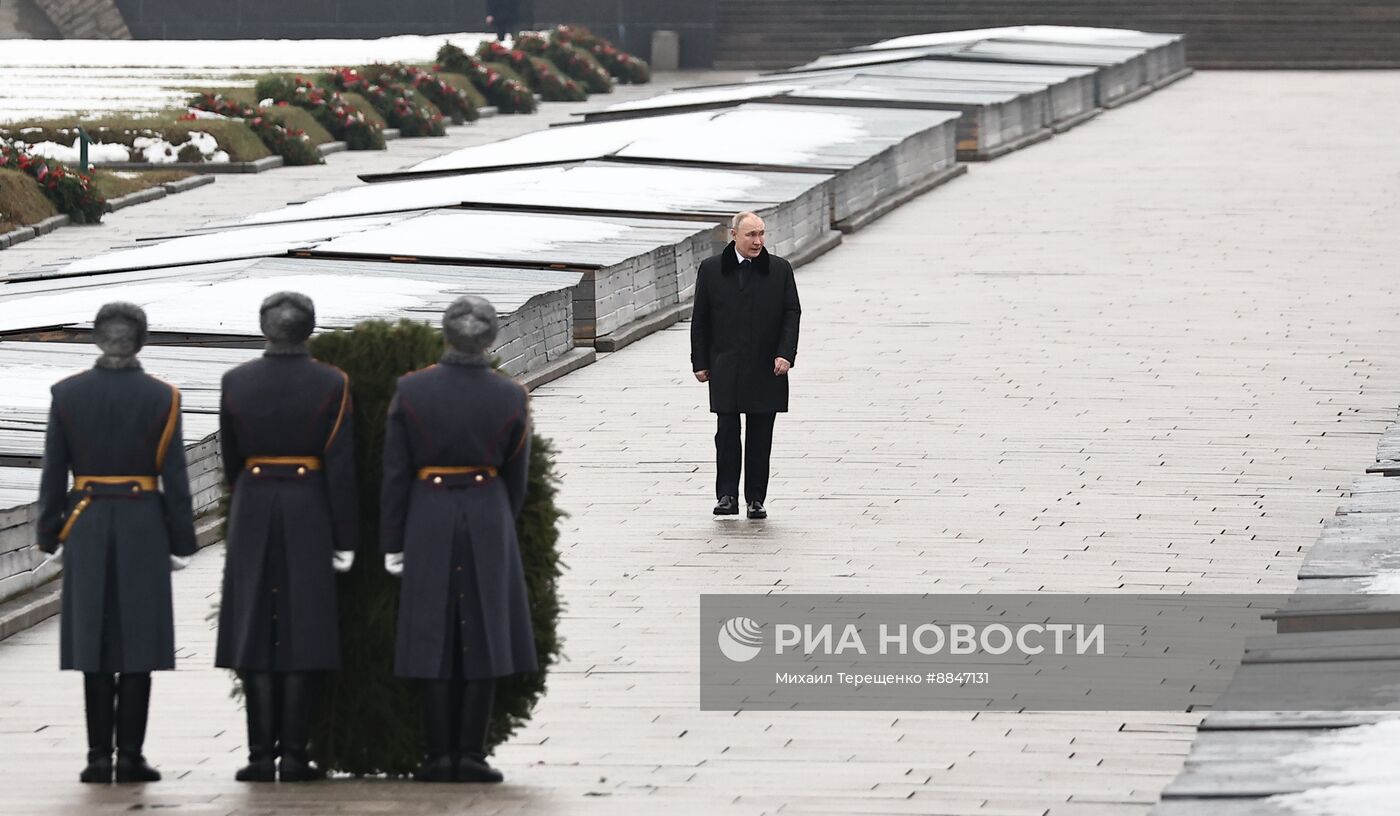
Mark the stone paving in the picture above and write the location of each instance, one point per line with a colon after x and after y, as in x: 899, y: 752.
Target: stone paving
x: 1144, y: 356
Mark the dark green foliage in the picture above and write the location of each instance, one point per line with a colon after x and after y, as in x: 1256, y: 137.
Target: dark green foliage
x: 370, y: 722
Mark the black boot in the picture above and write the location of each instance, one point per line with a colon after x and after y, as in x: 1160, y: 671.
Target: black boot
x: 295, y: 765
x: 99, y: 697
x: 262, y: 729
x: 437, y: 710
x: 477, y: 697
x: 133, y: 704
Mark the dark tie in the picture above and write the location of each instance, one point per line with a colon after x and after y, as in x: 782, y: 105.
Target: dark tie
x: 745, y: 266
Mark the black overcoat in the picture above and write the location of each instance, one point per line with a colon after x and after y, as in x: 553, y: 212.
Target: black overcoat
x: 462, y: 565
x: 740, y: 323
x: 116, y: 559
x: 283, y: 526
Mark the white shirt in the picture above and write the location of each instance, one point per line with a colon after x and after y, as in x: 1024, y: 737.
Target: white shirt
x: 740, y: 255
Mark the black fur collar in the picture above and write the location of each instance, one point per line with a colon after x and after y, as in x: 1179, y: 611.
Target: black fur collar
x: 729, y: 261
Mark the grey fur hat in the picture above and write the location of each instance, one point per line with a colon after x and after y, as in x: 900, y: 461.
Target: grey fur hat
x: 470, y: 324
x: 112, y: 329
x: 287, y: 317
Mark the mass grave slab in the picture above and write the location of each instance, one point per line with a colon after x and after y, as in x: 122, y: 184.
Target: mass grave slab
x: 796, y: 205
x: 216, y: 304
x: 630, y: 268
x: 1165, y: 52
x: 1071, y: 89
x: 997, y: 116
x: 875, y: 154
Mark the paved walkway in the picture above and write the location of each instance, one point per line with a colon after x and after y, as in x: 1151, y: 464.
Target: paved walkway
x: 1144, y: 356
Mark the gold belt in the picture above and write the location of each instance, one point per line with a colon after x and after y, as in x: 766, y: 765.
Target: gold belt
x: 86, y: 483
x: 436, y: 474
x: 303, y: 464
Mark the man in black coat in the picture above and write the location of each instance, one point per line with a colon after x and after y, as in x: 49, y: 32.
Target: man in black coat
x: 743, y: 341
x: 287, y: 438
x: 121, y: 529
x: 503, y: 17
x: 456, y: 461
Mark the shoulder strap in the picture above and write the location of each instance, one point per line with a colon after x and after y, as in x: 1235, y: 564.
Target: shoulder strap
x: 168, y: 433
x: 344, y: 406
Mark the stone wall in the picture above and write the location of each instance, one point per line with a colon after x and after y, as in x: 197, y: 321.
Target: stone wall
x: 85, y: 19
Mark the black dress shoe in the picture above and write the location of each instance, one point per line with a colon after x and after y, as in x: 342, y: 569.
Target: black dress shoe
x: 435, y: 769
x: 99, y: 768
x: 473, y: 768
x: 263, y: 769
x: 727, y: 506
x: 756, y: 510
x: 297, y: 767
x: 134, y: 768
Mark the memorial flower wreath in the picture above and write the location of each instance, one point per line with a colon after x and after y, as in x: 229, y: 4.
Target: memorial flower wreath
x: 544, y: 77
x: 508, y: 95
x: 71, y: 192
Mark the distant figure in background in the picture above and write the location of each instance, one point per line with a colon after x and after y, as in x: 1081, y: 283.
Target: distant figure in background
x: 503, y: 17
x: 121, y: 529
x: 743, y: 341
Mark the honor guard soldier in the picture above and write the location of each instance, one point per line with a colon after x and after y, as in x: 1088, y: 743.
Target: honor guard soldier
x: 456, y: 459
x: 289, y: 461
x: 121, y: 529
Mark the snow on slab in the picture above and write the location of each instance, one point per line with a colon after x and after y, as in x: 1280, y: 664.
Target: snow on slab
x: 1359, y: 755
x: 242, y: 54
x: 222, y: 299
x: 30, y: 369
x: 554, y: 145
x: 1338, y: 800
x: 658, y: 189
x: 794, y: 135
x: 730, y: 94
x: 1054, y: 53
x: 749, y: 134
x: 45, y: 79
x: 1387, y: 583
x: 276, y: 239
x: 1359, y: 763
x: 524, y: 237
x: 1069, y: 34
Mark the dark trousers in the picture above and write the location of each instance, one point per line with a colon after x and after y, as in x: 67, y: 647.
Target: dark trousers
x: 458, y: 709
x: 758, y: 444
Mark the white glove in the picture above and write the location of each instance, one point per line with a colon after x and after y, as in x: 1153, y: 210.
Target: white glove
x: 178, y: 563
x: 343, y: 560
x: 55, y: 558
x: 393, y: 564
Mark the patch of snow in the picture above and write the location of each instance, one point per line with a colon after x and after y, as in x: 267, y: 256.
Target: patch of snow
x: 97, y: 152
x: 1360, y: 755
x: 156, y: 150
x: 204, y: 114
x: 1387, y: 583
x: 1339, y: 800
x: 233, y: 53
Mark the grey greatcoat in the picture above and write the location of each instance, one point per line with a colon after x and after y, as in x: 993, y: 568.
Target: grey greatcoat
x: 739, y: 324
x: 278, y: 611
x: 462, y: 562
x: 116, y: 568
